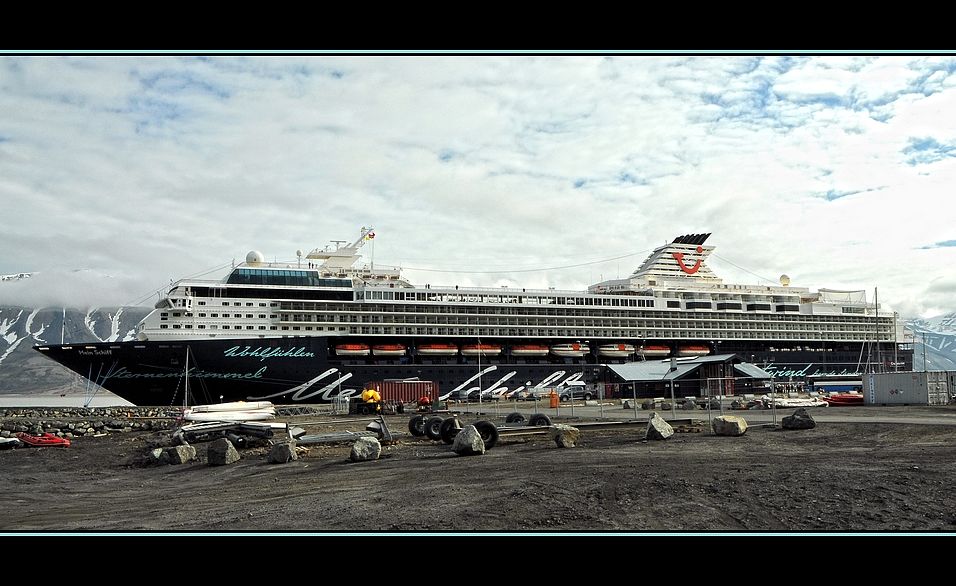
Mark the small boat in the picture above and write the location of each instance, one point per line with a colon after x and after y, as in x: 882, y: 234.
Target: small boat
x: 257, y: 415
x: 693, y: 350
x: 388, y: 350
x: 437, y: 349
x: 655, y: 351
x: 844, y: 399
x: 45, y: 440
x: 483, y: 349
x: 616, y: 350
x: 233, y: 406
x: 574, y: 350
x: 352, y: 350
x: 529, y: 350
x: 9, y: 442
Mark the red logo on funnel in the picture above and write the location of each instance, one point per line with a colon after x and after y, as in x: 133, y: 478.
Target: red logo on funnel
x: 679, y: 257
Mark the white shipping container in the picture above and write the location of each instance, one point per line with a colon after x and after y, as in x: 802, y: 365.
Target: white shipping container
x: 906, y: 388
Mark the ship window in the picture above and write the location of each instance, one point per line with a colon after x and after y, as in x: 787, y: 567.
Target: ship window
x: 248, y: 327
x: 309, y: 328
x: 273, y: 328
x: 176, y: 314
x: 248, y: 304
x: 224, y: 303
x: 247, y: 315
x: 262, y: 315
x: 285, y: 327
x: 296, y: 328
x: 176, y: 327
x: 164, y: 314
x: 201, y: 327
x: 189, y: 326
x: 273, y: 316
x: 213, y: 315
x: 163, y: 326
x: 262, y: 305
x: 202, y: 303
x: 262, y: 327
x: 225, y: 327
x: 202, y: 315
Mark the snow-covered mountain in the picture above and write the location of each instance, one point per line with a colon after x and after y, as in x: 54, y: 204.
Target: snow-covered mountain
x: 23, y: 370
x: 937, y: 336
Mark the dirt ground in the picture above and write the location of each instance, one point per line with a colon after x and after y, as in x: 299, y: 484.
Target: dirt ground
x: 844, y: 477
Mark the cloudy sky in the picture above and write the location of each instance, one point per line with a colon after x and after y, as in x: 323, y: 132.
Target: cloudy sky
x: 118, y: 174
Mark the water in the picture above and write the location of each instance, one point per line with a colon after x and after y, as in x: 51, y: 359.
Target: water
x: 105, y: 400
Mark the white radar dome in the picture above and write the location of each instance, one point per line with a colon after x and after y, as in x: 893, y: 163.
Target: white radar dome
x: 254, y: 257
x: 785, y: 280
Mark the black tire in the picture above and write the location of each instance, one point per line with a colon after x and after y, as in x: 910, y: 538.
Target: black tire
x: 539, y: 420
x: 416, y: 425
x: 433, y: 428
x: 488, y: 433
x: 587, y: 396
x: 449, y: 429
x: 514, y: 418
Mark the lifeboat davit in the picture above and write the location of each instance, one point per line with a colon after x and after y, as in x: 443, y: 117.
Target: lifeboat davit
x: 616, y: 350
x: 437, y: 349
x: 352, y: 350
x: 693, y: 350
x: 388, y: 350
x: 655, y: 351
x: 529, y: 350
x: 483, y: 349
x: 574, y: 350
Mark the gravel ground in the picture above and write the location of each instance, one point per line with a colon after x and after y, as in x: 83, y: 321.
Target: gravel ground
x: 855, y: 476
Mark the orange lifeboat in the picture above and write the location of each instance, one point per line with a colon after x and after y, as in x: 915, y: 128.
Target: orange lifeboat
x: 352, y: 349
x: 437, y: 349
x: 574, y: 350
x: 529, y: 350
x: 693, y: 350
x: 483, y: 349
x: 655, y: 351
x: 616, y: 350
x: 388, y: 350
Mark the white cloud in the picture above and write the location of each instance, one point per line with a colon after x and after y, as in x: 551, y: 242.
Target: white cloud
x: 151, y: 168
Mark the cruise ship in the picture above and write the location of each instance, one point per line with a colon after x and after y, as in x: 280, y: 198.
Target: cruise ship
x: 325, y: 325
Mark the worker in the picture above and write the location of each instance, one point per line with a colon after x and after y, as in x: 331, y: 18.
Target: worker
x: 424, y: 402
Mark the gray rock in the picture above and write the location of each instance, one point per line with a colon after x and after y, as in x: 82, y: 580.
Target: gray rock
x: 657, y: 428
x: 5, y: 433
x: 179, y: 454
x: 665, y: 406
x: 729, y: 425
x: 647, y: 405
x: 563, y: 435
x: 626, y: 405
x: 156, y: 454
x: 282, y: 453
x: 800, y: 419
x: 222, y: 452
x: 468, y: 442
x: 364, y: 449
x: 689, y: 405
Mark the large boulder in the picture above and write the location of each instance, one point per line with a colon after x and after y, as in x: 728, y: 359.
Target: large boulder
x: 365, y: 448
x: 689, y: 405
x: 282, y: 453
x: 657, y: 428
x: 563, y: 435
x: 729, y: 425
x: 179, y: 454
x: 222, y: 452
x: 800, y: 419
x: 468, y: 442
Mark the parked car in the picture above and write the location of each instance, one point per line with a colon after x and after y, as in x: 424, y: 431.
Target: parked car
x: 576, y: 392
